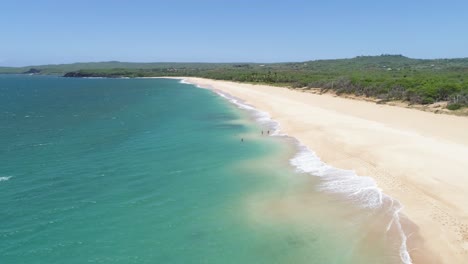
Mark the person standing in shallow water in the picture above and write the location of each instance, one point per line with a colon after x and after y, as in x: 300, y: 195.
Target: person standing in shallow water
x: 242, y: 139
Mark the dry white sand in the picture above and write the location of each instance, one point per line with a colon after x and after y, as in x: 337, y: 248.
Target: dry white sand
x: 417, y: 157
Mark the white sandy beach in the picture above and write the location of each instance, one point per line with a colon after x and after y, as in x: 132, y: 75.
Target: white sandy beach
x: 418, y: 158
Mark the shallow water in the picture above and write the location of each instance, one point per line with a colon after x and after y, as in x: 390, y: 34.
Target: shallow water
x: 154, y: 171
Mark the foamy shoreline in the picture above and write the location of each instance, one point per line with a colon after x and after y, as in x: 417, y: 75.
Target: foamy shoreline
x: 363, y: 191
x: 418, y: 158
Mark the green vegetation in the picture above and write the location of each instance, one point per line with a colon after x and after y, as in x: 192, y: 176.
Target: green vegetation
x: 386, y: 77
x: 454, y: 106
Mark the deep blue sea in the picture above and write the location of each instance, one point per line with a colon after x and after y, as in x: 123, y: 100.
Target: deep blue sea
x: 158, y: 171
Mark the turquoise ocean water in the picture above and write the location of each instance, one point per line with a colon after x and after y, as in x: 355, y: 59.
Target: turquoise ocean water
x: 154, y: 171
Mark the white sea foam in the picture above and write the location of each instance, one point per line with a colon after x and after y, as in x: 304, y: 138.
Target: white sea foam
x: 362, y: 190
x: 197, y: 85
x: 263, y: 118
x: 5, y: 178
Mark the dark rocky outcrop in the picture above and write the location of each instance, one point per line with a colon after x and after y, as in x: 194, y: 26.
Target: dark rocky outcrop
x: 76, y: 74
x: 81, y: 74
x: 32, y: 71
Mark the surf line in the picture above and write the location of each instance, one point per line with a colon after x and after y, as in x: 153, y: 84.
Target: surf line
x: 362, y: 190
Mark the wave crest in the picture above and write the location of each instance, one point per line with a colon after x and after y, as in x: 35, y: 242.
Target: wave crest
x: 263, y: 118
x: 5, y: 178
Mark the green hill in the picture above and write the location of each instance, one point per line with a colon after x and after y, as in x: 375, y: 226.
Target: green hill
x: 387, y: 77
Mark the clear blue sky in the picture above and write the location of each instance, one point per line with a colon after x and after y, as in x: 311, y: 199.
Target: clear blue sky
x: 41, y: 32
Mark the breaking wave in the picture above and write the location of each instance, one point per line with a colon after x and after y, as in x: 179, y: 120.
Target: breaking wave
x: 5, y: 178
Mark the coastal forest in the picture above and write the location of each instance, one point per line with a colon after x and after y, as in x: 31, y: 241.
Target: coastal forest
x: 384, y: 77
